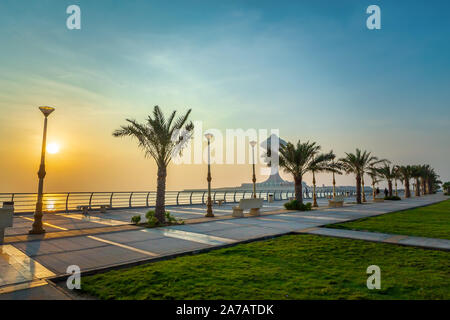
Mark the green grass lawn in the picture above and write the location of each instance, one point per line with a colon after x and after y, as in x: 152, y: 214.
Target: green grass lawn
x: 288, y: 267
x: 431, y: 221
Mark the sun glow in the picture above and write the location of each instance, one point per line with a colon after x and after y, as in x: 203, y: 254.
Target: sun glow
x: 53, y: 148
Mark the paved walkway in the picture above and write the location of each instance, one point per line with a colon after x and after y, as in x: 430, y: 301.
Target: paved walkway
x: 25, y: 262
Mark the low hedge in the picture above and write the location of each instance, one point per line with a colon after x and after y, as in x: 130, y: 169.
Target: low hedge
x: 392, y: 198
x: 297, y: 205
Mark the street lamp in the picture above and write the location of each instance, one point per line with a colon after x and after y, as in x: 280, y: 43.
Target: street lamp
x: 253, y: 144
x: 209, y: 212
x: 37, y: 224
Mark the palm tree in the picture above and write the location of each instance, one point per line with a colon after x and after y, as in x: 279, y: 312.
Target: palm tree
x: 161, y: 139
x: 433, y: 181
x: 396, y: 177
x: 357, y: 163
x: 323, y: 163
x: 416, y: 173
x: 299, y: 159
x: 405, y: 174
x: 388, y: 173
x: 375, y: 177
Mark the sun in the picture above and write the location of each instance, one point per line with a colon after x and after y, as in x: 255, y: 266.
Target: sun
x: 53, y: 148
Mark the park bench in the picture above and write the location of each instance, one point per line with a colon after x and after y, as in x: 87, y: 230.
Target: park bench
x: 337, y: 202
x: 85, y: 208
x: 220, y: 202
x: 254, y: 204
x: 6, y: 218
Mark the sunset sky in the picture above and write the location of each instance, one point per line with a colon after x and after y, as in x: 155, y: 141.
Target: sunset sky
x: 308, y: 68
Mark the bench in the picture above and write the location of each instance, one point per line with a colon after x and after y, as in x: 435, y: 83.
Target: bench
x: 86, y: 208
x: 253, y: 204
x: 220, y: 202
x: 337, y: 202
x: 378, y: 200
x: 6, y: 218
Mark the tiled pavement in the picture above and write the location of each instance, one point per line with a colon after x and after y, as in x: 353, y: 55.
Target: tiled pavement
x: 42, y: 258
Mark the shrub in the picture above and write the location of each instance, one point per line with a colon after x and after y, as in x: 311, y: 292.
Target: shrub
x: 136, y: 219
x: 392, y: 198
x: 297, y: 205
x: 152, y: 221
x: 170, y: 218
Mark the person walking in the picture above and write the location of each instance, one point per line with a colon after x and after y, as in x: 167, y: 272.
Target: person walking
x: 386, y: 192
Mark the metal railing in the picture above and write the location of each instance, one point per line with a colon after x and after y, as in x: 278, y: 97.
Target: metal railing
x: 69, y: 201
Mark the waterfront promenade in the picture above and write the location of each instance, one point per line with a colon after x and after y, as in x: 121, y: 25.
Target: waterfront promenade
x: 102, y: 241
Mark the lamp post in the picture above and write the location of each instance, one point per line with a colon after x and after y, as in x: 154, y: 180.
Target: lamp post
x: 253, y: 144
x: 334, y: 185
x: 209, y: 212
x: 37, y: 224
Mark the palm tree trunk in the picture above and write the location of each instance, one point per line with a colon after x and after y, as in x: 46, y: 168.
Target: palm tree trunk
x: 314, y: 191
x: 424, y: 191
x: 417, y: 188
x: 298, y: 189
x: 358, y: 188
x: 390, y: 188
x: 407, y: 191
x: 362, y: 189
x: 374, y: 193
x: 160, y: 208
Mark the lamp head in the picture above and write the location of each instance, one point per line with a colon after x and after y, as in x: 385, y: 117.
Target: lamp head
x: 209, y: 136
x: 253, y: 143
x: 46, y: 110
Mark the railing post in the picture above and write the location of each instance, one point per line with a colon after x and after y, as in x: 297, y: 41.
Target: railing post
x: 225, y: 197
x: 243, y: 195
x: 234, y: 196
x: 214, y: 197
x: 178, y: 194
x: 190, y: 197
x: 146, y: 200
x: 111, y: 200
x: 129, y: 204
x: 203, y: 197
x: 67, y: 201
x: 12, y: 197
x: 90, y: 199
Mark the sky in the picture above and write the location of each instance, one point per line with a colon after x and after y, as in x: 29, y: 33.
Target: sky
x: 311, y: 69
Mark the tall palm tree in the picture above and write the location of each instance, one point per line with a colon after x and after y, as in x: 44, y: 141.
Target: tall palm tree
x: 396, y: 178
x: 161, y: 139
x: 299, y: 159
x: 405, y: 174
x: 375, y: 177
x: 389, y: 173
x: 416, y: 174
x: 357, y: 163
x: 323, y: 163
x: 433, y: 181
